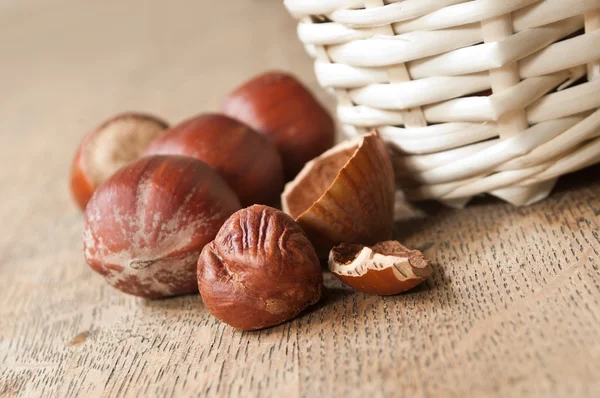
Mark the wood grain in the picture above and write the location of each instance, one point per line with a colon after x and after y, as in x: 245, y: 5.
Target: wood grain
x: 512, y: 309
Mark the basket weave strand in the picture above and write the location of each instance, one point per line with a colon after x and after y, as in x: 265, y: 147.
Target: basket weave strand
x: 473, y: 96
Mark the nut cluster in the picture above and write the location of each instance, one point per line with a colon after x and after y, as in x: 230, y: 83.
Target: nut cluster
x: 345, y: 195
x: 163, y: 206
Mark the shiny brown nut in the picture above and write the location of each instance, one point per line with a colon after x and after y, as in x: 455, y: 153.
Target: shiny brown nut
x: 383, y: 269
x: 146, y: 225
x: 248, y: 162
x: 346, y: 195
x: 280, y: 107
x: 260, y: 270
x: 113, y: 144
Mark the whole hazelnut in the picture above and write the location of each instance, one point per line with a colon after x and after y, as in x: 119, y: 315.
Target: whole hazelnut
x: 260, y: 270
x: 245, y: 159
x: 280, y: 107
x: 110, y: 146
x: 145, y: 226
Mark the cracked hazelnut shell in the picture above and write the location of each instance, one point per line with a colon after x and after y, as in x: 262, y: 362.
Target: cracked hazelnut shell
x: 346, y: 195
x: 115, y: 143
x: 383, y: 269
x: 260, y: 270
x: 145, y: 226
x: 277, y: 105
x: 248, y: 162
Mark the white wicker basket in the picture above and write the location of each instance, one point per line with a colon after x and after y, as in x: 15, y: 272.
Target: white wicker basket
x: 418, y: 71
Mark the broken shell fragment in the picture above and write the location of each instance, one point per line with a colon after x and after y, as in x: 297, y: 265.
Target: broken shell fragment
x: 345, y: 195
x: 383, y: 269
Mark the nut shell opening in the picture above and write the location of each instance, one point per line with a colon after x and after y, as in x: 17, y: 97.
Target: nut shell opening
x: 345, y: 195
x: 316, y: 178
x: 385, y: 268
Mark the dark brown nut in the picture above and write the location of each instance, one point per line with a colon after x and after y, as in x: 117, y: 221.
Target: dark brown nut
x: 146, y: 225
x: 383, y: 269
x: 260, y: 270
x: 248, y: 162
x: 280, y: 107
x: 113, y: 144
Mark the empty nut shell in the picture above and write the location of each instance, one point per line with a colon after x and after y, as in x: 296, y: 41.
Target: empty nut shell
x: 383, y: 269
x: 346, y: 195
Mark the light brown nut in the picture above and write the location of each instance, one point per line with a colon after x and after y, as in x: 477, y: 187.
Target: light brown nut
x: 115, y: 143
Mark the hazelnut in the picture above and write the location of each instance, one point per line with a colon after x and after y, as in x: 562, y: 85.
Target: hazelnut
x: 345, y: 195
x: 245, y: 159
x: 109, y: 147
x: 383, y: 269
x: 260, y: 270
x: 145, y: 226
x: 280, y: 107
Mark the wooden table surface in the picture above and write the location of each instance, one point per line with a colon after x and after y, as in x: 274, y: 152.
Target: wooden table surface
x: 512, y: 309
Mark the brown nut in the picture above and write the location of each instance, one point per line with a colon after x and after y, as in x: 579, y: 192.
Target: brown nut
x: 248, y: 162
x: 383, y: 269
x: 345, y: 195
x: 260, y: 270
x: 280, y: 107
x: 146, y: 225
x: 113, y: 144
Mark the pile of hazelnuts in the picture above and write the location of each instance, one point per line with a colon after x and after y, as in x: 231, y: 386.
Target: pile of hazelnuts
x: 177, y: 210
